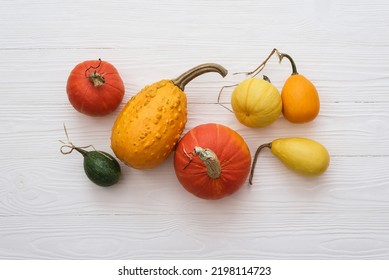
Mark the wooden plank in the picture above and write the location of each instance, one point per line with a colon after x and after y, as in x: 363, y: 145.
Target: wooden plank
x: 34, y: 130
x: 345, y: 79
x: 60, y: 187
x: 196, y: 236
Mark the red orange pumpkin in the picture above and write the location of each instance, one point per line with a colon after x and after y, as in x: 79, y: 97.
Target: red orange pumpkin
x: 95, y: 88
x: 212, y: 161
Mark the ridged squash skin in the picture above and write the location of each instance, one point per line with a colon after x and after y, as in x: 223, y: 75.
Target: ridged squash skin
x: 304, y: 156
x: 149, y: 126
x: 256, y: 102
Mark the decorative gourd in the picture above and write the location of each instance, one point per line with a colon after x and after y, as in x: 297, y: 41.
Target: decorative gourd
x: 150, y: 125
x: 301, y: 155
x: 256, y: 102
x: 300, y: 100
x: 100, y: 167
x: 299, y: 97
x: 95, y: 88
x: 212, y: 161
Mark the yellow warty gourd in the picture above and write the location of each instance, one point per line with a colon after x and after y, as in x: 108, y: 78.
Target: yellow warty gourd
x: 151, y: 123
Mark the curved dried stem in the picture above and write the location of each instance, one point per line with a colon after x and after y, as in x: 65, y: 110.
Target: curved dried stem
x: 267, y: 145
x: 220, y: 92
x: 93, y: 67
x: 95, y: 78
x: 257, y: 70
x: 182, y: 80
x: 280, y: 56
x: 69, y: 145
x: 294, y: 68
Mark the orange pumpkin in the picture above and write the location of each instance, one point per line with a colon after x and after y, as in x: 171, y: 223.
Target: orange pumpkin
x: 95, y: 88
x: 212, y: 161
x: 300, y: 99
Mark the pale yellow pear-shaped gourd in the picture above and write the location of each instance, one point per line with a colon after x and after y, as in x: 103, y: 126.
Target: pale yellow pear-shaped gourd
x: 301, y: 155
x: 256, y: 102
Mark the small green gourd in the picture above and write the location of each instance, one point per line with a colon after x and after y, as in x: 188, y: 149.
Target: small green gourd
x: 100, y: 167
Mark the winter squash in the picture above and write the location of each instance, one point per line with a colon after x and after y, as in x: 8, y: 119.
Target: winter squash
x: 212, y: 161
x: 256, y: 102
x: 150, y: 125
x: 95, y: 88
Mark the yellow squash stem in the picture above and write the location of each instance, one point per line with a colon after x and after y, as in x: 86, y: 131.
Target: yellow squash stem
x: 267, y: 145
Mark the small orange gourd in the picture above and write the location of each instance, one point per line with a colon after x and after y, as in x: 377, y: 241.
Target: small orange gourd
x: 151, y: 123
x: 300, y: 99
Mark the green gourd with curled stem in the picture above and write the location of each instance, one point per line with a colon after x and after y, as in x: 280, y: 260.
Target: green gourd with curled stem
x: 100, y: 167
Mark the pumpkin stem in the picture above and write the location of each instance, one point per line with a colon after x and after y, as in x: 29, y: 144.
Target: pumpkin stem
x: 182, y: 80
x: 267, y: 145
x: 294, y: 68
x: 209, y: 158
x: 266, y: 78
x: 95, y: 78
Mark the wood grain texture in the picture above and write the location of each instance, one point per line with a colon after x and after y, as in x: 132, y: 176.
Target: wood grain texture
x: 50, y: 210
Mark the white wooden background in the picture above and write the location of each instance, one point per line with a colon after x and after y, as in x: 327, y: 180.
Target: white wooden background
x: 50, y: 210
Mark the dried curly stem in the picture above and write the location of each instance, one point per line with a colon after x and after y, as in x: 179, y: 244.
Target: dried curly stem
x: 280, y: 55
x: 95, y: 78
x: 72, y: 147
x: 220, y: 92
x: 267, y: 145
